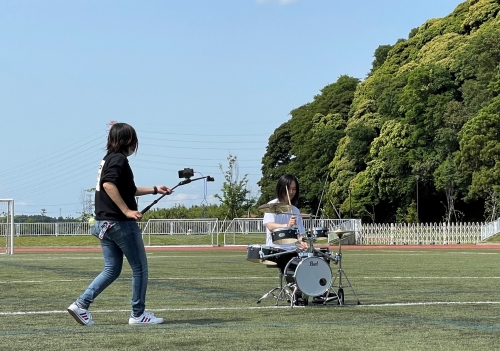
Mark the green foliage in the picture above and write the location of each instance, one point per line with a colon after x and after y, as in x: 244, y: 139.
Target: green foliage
x: 428, y: 108
x: 275, y: 161
x: 380, y: 56
x: 306, y: 144
x: 479, y: 156
x: 182, y: 212
x: 235, y: 194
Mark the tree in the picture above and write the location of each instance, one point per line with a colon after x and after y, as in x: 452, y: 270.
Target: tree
x: 380, y: 55
x: 234, y: 196
x: 448, y: 179
x: 275, y: 161
x: 479, y: 156
x: 87, y: 203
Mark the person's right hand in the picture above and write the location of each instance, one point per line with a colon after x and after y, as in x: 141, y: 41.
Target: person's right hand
x: 291, y: 221
x: 133, y: 214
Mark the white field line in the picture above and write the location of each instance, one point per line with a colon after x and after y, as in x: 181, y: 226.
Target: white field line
x: 219, y: 278
x: 86, y: 279
x: 407, y: 304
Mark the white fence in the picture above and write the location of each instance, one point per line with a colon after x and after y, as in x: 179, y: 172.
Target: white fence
x: 207, y: 226
x: 365, y: 234
x: 490, y: 229
x: 240, y: 226
x: 420, y: 234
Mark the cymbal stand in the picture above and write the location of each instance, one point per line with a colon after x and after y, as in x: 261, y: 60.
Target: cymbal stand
x: 340, y: 272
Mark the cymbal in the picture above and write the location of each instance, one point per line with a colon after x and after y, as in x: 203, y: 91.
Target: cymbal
x: 339, y: 232
x: 277, y: 207
x: 335, y: 239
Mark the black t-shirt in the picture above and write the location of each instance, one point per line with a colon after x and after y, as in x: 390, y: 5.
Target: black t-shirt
x: 114, y: 169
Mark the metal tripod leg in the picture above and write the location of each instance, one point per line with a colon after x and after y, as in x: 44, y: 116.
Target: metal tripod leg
x: 340, y: 291
x: 271, y: 292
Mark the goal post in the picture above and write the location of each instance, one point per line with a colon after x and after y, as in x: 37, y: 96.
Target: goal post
x: 7, y: 224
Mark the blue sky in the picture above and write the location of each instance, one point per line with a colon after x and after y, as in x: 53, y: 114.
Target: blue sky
x: 198, y: 80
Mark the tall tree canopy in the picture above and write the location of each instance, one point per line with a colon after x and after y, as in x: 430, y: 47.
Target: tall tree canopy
x: 426, y: 119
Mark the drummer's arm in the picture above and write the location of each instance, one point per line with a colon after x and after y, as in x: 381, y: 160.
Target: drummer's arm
x: 272, y: 225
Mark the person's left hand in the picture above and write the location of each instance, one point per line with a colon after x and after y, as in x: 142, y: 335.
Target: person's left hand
x: 302, y: 243
x: 162, y: 189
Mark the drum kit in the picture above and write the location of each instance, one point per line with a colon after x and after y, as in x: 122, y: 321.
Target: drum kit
x: 308, y: 271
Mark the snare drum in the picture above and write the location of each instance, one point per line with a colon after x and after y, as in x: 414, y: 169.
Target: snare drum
x: 312, y: 275
x: 287, y: 235
x: 255, y: 252
x: 321, y: 233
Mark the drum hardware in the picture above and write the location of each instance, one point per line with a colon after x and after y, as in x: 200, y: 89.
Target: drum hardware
x: 340, y: 272
x: 271, y: 292
x: 265, y: 257
x: 281, y: 289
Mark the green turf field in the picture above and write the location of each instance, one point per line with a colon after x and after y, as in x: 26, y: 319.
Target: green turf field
x: 411, y: 299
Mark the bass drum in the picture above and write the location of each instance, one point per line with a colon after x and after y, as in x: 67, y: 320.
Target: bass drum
x: 312, y: 275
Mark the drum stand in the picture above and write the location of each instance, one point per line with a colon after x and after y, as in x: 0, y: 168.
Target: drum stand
x: 271, y: 292
x: 282, y: 289
x: 340, y: 272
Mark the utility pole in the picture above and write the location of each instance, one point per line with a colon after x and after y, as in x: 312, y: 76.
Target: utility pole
x: 350, y: 203
x: 417, y: 177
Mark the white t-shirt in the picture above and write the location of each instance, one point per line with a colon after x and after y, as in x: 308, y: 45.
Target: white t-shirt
x: 282, y: 218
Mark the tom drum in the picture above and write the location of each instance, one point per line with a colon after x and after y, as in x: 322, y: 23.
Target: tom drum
x: 287, y: 235
x: 255, y: 252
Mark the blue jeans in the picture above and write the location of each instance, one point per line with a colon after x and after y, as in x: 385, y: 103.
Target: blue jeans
x: 124, y: 238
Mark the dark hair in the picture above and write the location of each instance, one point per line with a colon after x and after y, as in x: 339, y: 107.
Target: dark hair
x: 121, y: 138
x: 282, y: 186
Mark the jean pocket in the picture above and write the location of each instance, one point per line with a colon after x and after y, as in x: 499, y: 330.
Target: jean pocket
x: 104, y: 227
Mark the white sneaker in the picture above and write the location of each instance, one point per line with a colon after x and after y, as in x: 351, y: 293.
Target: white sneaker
x: 81, y: 315
x: 145, y: 318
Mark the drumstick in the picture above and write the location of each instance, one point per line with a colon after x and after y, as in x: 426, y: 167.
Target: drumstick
x: 288, y: 195
x: 289, y: 202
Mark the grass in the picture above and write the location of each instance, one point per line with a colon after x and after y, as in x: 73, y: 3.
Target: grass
x: 410, y: 300
x: 153, y: 240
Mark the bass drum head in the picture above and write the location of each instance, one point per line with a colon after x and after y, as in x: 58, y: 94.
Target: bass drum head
x: 313, y: 276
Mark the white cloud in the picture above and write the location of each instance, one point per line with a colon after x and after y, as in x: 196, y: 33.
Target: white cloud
x: 182, y: 197
x: 281, y: 2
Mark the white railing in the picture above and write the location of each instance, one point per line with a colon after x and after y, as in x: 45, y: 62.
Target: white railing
x: 490, y: 229
x: 63, y: 228
x: 256, y: 225
x: 419, y: 234
x: 365, y: 234
x: 206, y: 226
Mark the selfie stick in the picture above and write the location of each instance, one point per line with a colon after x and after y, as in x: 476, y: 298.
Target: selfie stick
x: 185, y: 181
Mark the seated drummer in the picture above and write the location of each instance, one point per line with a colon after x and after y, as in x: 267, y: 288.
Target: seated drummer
x: 287, y: 191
